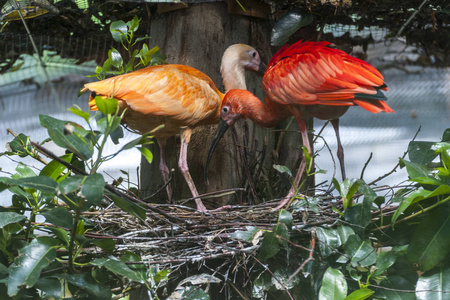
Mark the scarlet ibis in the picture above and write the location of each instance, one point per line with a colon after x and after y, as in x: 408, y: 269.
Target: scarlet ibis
x: 307, y: 79
x: 178, y: 96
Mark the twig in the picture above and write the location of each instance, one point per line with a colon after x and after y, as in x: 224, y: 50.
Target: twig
x: 310, y: 257
x: 275, y: 277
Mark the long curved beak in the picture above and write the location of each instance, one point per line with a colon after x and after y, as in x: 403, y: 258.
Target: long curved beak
x: 221, y: 129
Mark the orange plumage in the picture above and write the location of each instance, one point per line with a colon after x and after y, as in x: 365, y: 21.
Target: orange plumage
x: 307, y: 79
x: 177, y: 96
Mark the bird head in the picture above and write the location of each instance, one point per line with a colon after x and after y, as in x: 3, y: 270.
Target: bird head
x: 233, y: 108
x: 236, y: 59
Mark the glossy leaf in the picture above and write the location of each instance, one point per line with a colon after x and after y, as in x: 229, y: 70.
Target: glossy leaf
x: 286, y: 218
x: 51, y: 286
x: 106, y: 106
x: 147, y: 154
x: 119, y: 31
x: 42, y: 183
x: 116, y: 58
x: 360, y: 294
x: 118, y: 267
x: 334, y: 285
x: 417, y: 196
x: 54, y: 168
x: 28, y: 265
x: 269, y: 246
x: 76, y: 110
x: 282, y: 169
x: 359, y: 215
x: 21, y: 145
x: 105, y: 244
x: 89, y: 285
x: 397, y: 289
x: 288, y: 24
x: 247, y: 235
x: 70, y: 184
x: 384, y: 261
x: 73, y: 142
x: 61, y: 234
x: 9, y: 218
x: 360, y: 251
x: 434, y: 284
x: 431, y: 240
x: 24, y: 171
x: 93, y: 187
x: 328, y: 240
x: 415, y: 170
x: 59, y: 216
x: 421, y: 153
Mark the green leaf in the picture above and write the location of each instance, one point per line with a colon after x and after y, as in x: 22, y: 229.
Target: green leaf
x: 28, y: 265
x: 288, y: 24
x: 446, y: 136
x: 89, y: 285
x: 24, y: 170
x: 51, y: 286
x: 93, y: 187
x: 286, y: 218
x: 417, y: 196
x: 21, y: 145
x: 360, y: 294
x: 384, y: 261
x: 105, y: 244
x: 146, y: 153
x: 359, y: 216
x: 61, y: 234
x: 129, y: 207
x: 42, y: 183
x: 116, y: 135
x: 415, y: 170
x: 431, y: 240
x: 396, y: 286
x: 247, y: 235
x: 119, y: 31
x: 434, y: 284
x: 140, y: 269
x: 328, y: 240
x: 282, y: 169
x: 269, y: 246
x: 118, y: 267
x: 73, y: 142
x: 347, y: 189
x: 116, y: 58
x: 54, y: 168
x: 9, y: 218
x: 421, y: 153
x: 334, y: 285
x: 106, y: 106
x: 59, y: 216
x: 360, y: 252
x: 193, y: 293
x: 76, y: 110
x: 70, y: 184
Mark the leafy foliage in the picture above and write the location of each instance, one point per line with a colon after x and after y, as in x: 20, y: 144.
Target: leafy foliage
x: 32, y: 263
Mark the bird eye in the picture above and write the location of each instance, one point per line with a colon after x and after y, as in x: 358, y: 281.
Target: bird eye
x: 225, y: 109
x: 254, y: 54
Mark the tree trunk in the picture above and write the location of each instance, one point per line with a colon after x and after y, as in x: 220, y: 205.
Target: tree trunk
x: 197, y: 36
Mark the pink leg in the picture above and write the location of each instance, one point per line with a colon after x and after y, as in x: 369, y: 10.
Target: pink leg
x: 183, y: 165
x: 163, y: 167
x: 301, y: 119
x: 340, y: 150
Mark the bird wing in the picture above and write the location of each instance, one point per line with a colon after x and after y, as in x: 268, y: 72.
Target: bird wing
x: 309, y: 73
x: 177, y: 92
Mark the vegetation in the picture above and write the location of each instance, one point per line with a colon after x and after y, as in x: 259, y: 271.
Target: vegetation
x: 368, y: 243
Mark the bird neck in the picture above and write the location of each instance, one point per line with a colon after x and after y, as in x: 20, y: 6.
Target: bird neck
x: 268, y: 114
x: 233, y: 72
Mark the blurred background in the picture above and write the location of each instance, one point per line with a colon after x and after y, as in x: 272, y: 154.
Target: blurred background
x: 44, y: 65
